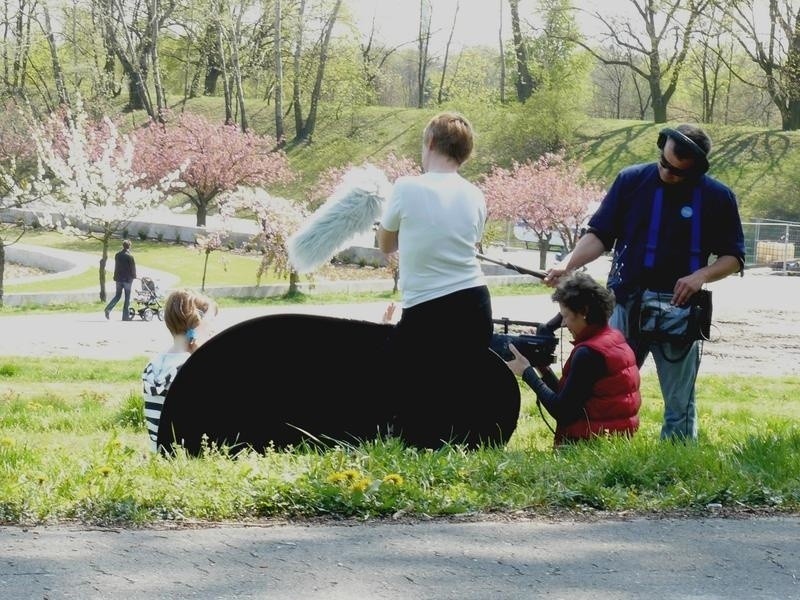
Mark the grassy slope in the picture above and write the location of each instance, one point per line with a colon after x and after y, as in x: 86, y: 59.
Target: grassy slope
x: 759, y: 164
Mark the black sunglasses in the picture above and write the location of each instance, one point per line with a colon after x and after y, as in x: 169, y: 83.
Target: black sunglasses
x: 672, y: 169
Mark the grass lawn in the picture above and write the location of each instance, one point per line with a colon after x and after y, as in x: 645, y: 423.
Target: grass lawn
x: 73, y: 447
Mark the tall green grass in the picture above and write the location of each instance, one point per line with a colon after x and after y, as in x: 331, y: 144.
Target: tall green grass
x: 73, y: 446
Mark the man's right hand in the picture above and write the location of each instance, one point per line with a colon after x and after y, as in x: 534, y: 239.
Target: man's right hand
x: 554, y: 275
x: 588, y: 248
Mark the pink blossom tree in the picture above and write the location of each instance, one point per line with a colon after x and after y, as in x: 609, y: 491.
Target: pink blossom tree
x: 17, y: 158
x: 547, y: 195
x: 217, y: 157
x: 277, y: 219
x: 15, y: 192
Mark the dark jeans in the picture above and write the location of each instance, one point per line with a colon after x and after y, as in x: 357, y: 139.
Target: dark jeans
x: 122, y: 287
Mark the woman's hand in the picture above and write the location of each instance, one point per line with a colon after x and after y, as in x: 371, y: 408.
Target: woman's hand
x: 388, y: 314
x: 519, y: 363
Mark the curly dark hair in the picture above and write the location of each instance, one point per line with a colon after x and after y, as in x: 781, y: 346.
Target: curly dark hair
x: 580, y: 293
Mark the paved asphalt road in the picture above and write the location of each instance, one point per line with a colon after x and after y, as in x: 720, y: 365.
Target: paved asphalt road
x: 606, y: 559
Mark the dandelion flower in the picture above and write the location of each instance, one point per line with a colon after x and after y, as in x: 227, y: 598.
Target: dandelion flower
x: 336, y: 478
x: 351, y: 474
x: 360, y: 485
x: 393, y: 479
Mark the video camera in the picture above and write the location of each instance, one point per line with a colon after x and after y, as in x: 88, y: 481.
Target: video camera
x: 538, y: 349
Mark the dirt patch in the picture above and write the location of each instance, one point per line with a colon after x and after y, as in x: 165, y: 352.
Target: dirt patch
x: 756, y: 326
x: 17, y: 271
x: 350, y: 272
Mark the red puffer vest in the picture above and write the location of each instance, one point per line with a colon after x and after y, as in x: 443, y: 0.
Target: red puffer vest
x: 615, y: 401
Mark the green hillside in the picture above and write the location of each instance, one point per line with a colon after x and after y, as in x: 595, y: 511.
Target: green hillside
x: 762, y: 166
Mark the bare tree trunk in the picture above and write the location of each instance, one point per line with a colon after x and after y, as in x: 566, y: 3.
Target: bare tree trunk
x: 279, y: 130
x: 776, y: 52
x: 5, y: 47
x: 109, y: 62
x: 524, y: 80
x: 297, y: 105
x: 155, y: 61
x: 132, y: 37
x: 213, y: 53
x: 447, y: 54
x: 311, y: 122
x: 58, y: 73
x: 502, y: 58
x: 237, y: 71
x: 22, y: 31
x: 226, y: 84
x: 423, y: 42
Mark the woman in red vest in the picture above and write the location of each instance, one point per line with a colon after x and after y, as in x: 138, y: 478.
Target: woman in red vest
x: 598, y: 392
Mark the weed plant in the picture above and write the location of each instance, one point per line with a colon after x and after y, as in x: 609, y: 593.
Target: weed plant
x: 73, y: 447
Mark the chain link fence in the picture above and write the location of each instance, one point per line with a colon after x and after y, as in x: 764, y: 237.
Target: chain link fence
x: 773, y: 244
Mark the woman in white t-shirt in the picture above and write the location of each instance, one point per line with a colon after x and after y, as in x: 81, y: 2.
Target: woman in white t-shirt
x: 435, y: 222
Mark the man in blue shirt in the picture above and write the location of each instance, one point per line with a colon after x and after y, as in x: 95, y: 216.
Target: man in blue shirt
x: 664, y: 221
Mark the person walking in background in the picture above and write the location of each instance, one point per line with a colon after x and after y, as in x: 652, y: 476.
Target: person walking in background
x: 598, y: 392
x: 189, y: 317
x: 435, y: 222
x: 124, y: 274
x: 664, y: 220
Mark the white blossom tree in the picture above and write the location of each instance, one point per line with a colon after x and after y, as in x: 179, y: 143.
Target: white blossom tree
x: 85, y: 180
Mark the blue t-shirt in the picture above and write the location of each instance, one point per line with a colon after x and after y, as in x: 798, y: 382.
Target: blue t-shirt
x: 623, y: 219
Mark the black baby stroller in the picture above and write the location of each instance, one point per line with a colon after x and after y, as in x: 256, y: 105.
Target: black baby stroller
x: 147, y: 301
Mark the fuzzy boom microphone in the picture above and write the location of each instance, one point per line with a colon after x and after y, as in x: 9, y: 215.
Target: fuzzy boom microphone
x: 353, y: 208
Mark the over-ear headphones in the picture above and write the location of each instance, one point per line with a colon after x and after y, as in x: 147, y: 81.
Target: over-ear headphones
x: 687, y: 143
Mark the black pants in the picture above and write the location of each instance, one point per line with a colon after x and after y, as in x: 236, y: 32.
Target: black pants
x: 455, y: 323
x: 434, y: 345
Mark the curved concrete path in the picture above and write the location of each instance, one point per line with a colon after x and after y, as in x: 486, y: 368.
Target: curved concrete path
x: 63, y: 264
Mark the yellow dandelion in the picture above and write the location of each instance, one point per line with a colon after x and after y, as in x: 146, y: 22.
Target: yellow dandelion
x: 351, y: 474
x: 105, y: 470
x: 393, y: 479
x: 336, y: 478
x: 7, y: 442
x: 360, y: 485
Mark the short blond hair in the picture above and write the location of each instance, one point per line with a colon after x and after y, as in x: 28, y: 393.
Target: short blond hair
x: 185, y: 308
x: 451, y: 134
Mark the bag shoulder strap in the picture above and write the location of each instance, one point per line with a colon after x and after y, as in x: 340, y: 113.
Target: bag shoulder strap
x: 655, y: 223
